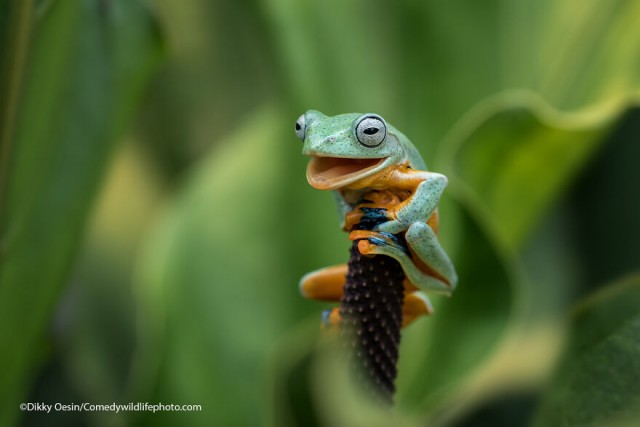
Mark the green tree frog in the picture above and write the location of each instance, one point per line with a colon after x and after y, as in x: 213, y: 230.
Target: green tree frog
x: 386, y: 199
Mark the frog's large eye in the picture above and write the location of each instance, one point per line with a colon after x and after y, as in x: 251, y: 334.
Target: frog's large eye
x: 371, y: 130
x: 300, y: 127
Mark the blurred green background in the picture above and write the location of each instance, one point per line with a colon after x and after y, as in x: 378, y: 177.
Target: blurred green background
x: 155, y: 216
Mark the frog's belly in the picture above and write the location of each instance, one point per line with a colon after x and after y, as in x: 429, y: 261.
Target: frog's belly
x: 385, y: 199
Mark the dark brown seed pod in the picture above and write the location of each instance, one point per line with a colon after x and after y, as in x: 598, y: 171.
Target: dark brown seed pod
x: 371, y: 311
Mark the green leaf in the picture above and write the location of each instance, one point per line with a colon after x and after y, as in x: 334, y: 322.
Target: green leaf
x: 290, y: 398
x: 598, y: 381
x: 401, y: 59
x: 513, y: 165
x: 220, y: 66
x: 423, y: 65
x: 219, y: 276
x: 564, y: 83
x: 88, y: 63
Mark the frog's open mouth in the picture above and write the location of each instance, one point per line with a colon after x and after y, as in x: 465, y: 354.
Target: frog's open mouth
x: 329, y: 173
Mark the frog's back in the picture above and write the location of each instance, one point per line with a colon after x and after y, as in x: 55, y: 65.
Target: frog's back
x: 414, y: 157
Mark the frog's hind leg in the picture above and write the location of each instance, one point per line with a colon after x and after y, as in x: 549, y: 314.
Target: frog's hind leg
x: 424, y: 251
x: 326, y: 284
x: 429, y: 256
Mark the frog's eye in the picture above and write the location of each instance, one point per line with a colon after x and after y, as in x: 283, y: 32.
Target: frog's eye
x: 300, y: 127
x: 371, y: 130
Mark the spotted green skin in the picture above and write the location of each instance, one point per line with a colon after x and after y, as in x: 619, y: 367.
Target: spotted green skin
x: 336, y: 137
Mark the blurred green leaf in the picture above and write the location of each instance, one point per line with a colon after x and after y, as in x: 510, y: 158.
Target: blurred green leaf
x: 573, y: 77
x: 423, y: 65
x: 513, y: 166
x: 290, y: 398
x: 419, y: 64
x: 576, y: 55
x: 607, y: 207
x: 218, y: 281
x: 87, y: 65
x: 598, y: 381
x: 221, y: 64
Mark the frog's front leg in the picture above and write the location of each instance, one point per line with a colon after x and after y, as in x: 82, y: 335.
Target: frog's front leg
x: 419, y: 207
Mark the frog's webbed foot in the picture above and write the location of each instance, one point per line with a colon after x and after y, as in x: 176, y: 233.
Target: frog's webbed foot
x: 370, y: 240
x: 422, y: 243
x: 331, y: 318
x: 430, y: 256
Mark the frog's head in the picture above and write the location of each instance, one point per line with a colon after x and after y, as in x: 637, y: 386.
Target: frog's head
x: 347, y: 147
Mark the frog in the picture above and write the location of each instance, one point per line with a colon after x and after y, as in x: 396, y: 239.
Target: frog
x: 386, y: 199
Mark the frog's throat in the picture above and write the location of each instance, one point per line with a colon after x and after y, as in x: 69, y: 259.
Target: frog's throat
x: 330, y: 173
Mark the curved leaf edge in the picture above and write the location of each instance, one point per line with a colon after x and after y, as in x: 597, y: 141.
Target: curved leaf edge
x: 588, y: 117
